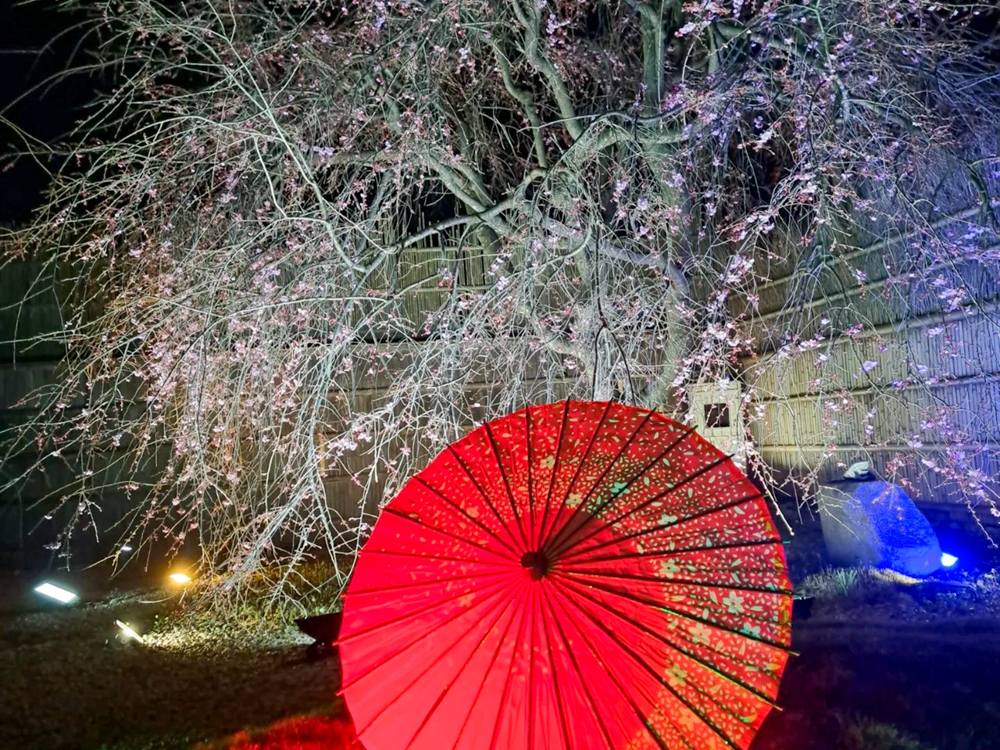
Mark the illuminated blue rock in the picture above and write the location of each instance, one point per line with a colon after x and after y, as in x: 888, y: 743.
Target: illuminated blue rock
x: 876, y: 523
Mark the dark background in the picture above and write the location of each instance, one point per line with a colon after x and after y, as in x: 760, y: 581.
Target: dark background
x: 37, y: 42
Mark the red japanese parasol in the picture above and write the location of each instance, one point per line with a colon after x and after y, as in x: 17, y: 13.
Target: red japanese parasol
x: 576, y: 576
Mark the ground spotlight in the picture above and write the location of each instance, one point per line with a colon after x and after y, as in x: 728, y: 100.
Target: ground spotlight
x: 55, y: 592
x: 181, y: 579
x: 948, y: 561
x: 128, y: 632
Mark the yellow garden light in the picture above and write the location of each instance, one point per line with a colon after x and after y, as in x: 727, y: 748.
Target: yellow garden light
x: 181, y: 579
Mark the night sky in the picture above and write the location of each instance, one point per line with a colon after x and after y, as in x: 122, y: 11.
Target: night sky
x: 36, y: 42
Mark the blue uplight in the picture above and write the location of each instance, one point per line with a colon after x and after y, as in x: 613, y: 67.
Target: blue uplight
x: 948, y: 561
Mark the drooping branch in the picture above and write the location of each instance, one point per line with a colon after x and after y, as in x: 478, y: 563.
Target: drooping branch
x: 360, y: 232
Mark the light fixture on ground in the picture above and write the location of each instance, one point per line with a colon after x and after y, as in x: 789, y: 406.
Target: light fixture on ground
x: 128, y: 632
x: 61, y: 595
x: 948, y: 561
x: 180, y: 579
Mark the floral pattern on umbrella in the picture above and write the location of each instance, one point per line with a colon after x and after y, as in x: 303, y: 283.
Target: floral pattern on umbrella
x: 575, y: 575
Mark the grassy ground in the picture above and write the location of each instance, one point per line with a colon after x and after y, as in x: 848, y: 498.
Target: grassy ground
x: 882, y: 666
x: 70, y: 682
x: 874, y: 684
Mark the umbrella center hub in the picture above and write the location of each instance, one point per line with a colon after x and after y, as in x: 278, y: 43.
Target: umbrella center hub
x: 537, y: 563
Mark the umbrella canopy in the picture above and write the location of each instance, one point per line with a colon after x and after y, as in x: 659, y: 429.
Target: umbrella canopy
x: 575, y: 576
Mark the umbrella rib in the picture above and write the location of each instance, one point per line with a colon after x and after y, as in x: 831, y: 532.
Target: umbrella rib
x: 691, y: 578
x: 461, y: 669
x: 459, y: 508
x: 687, y: 616
x: 530, y: 542
x: 416, y: 679
x: 563, y: 724
x: 410, y: 585
x: 510, y: 674
x: 416, y: 613
x: 555, y: 473
x: 601, y: 508
x: 644, y: 720
x: 464, y: 540
x: 645, y: 503
x: 652, y: 604
x: 663, y: 552
x: 486, y: 673
x: 667, y: 582
x: 576, y: 474
x: 482, y: 492
x: 684, y: 576
x: 583, y: 683
x: 664, y: 682
x: 400, y: 553
x: 676, y: 647
x: 506, y: 483
x: 532, y: 596
x: 559, y: 538
x: 570, y: 554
